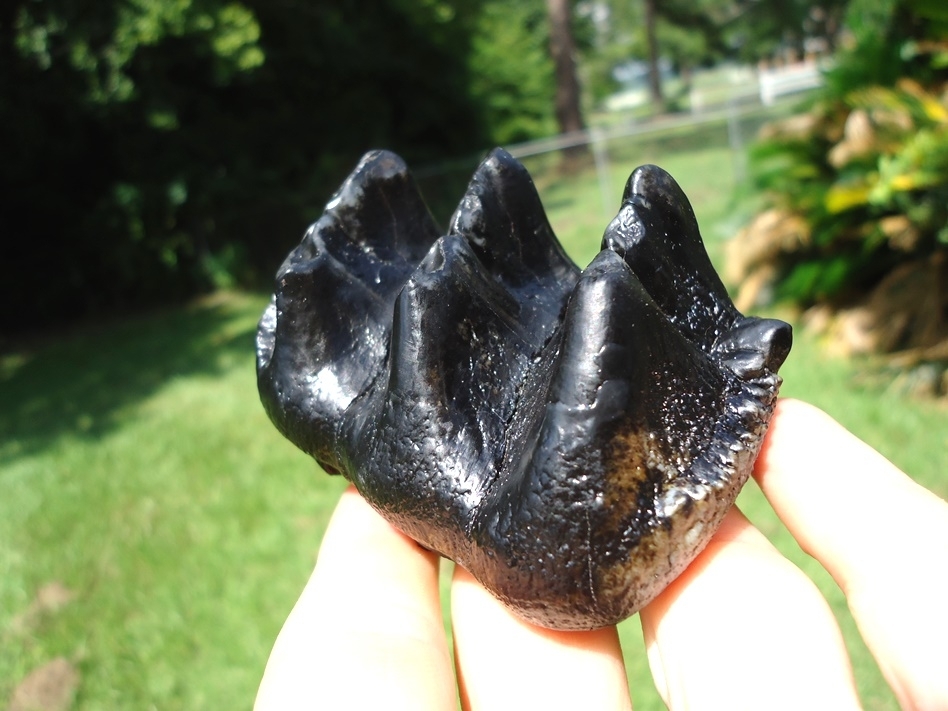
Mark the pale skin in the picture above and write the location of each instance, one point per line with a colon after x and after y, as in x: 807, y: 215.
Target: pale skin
x: 741, y: 628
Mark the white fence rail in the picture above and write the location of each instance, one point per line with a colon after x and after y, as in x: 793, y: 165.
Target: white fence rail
x: 789, y: 79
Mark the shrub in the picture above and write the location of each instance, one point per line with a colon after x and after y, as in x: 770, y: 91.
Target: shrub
x: 857, y: 187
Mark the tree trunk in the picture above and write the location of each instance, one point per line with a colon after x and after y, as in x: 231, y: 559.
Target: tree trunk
x: 569, y: 113
x: 654, y: 70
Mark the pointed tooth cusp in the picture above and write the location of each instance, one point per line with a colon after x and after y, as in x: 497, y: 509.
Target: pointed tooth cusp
x: 502, y: 218
x: 657, y: 234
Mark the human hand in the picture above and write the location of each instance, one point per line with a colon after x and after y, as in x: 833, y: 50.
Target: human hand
x: 742, y: 627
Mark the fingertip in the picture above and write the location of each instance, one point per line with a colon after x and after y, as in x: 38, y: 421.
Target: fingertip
x: 875, y: 530
x: 505, y: 662
x: 744, y: 628
x: 367, y: 631
x: 793, y: 421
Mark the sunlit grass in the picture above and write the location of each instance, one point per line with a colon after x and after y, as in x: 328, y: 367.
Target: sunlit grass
x: 139, y: 470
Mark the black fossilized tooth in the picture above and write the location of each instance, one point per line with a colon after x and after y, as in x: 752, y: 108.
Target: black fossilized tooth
x: 573, y: 438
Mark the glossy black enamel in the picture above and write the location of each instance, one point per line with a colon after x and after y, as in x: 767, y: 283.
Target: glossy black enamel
x: 573, y: 438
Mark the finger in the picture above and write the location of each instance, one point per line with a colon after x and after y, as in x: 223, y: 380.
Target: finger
x: 506, y: 663
x: 367, y: 631
x: 743, y: 628
x: 881, y: 536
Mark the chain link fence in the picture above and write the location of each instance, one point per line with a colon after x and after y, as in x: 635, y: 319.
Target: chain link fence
x: 614, y: 150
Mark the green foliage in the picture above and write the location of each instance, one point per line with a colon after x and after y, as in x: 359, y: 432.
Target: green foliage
x: 100, y: 40
x: 867, y: 167
x: 153, y: 149
x: 156, y: 149
x: 515, y: 97
x: 699, y: 33
x: 761, y: 30
x: 892, y: 39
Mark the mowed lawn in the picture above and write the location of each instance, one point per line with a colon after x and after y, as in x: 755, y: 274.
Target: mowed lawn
x: 139, y: 472
x: 155, y: 530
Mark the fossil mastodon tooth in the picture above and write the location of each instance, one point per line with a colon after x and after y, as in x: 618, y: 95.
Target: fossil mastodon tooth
x: 573, y: 438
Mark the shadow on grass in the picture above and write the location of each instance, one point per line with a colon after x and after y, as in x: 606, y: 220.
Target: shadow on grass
x: 82, y: 385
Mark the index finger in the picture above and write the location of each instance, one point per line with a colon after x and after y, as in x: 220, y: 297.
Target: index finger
x: 367, y: 631
x: 881, y: 536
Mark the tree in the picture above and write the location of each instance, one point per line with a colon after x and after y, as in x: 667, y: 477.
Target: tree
x: 654, y: 69
x: 694, y: 33
x: 568, y: 107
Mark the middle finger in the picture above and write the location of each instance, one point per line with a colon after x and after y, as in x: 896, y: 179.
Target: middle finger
x: 743, y: 628
x: 506, y: 663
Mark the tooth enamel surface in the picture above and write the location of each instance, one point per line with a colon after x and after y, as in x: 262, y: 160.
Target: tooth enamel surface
x: 572, y: 437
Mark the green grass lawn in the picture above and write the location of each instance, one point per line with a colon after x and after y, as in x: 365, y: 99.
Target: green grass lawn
x: 139, y: 471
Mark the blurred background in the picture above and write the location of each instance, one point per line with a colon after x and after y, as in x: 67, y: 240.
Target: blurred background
x: 160, y: 158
